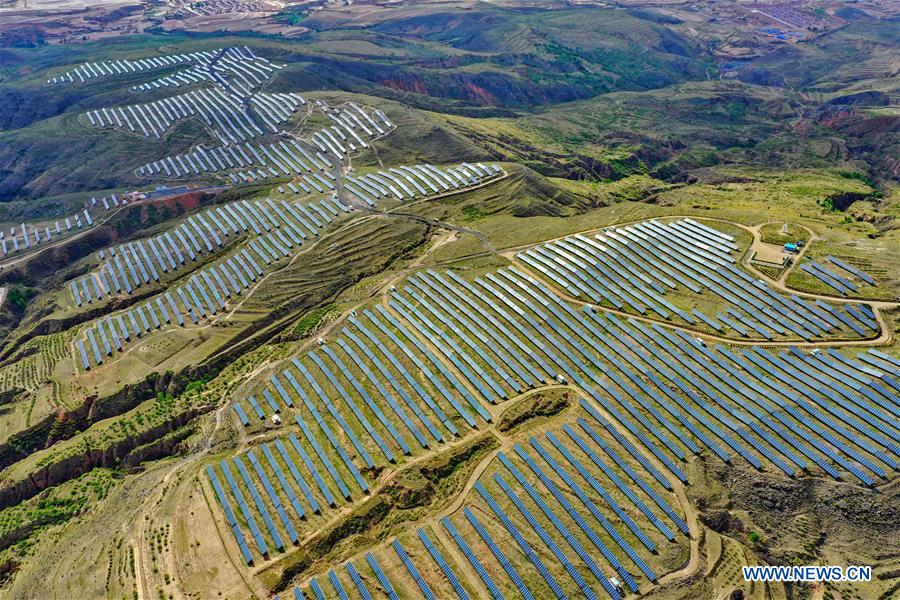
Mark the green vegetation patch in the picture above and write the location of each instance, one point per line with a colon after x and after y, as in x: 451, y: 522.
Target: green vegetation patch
x: 312, y: 320
x: 778, y: 234
x: 536, y: 406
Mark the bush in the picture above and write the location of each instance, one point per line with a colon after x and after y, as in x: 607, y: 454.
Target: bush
x: 18, y: 297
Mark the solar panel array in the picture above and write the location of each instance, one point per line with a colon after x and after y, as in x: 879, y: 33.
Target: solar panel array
x: 634, y: 267
x: 227, y: 117
x: 840, y: 283
x: 569, y: 535
x: 311, y: 159
x: 223, y: 96
x: 202, y: 296
x: 407, y: 183
x: 592, y: 504
x: 278, y: 225
x: 556, y: 506
x: 276, y: 229
x: 107, y: 68
x: 843, y: 264
x: 27, y: 236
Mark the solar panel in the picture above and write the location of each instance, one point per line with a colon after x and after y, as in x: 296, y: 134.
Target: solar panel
x: 398, y: 410
x: 443, y: 565
x: 241, y: 414
x: 273, y: 497
x: 85, y: 363
x: 245, y: 510
x: 472, y: 558
x: 558, y: 524
x: 410, y: 380
x: 413, y: 571
x: 229, y: 514
x: 348, y: 431
x: 498, y: 554
x: 257, y: 500
x: 348, y: 400
x: 386, y: 585
x: 532, y: 556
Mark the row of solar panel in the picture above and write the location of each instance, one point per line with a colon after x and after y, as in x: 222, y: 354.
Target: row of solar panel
x: 203, y: 295
x: 658, y: 255
x: 757, y: 430
x: 223, y: 113
x: 232, y: 68
x: 338, y: 386
x: 865, y: 277
x: 691, y: 374
x: 10, y: 244
x: 423, y: 180
x: 287, y: 156
x: 384, y: 408
x: 739, y: 417
x: 133, y: 258
x: 733, y: 417
x: 104, y: 68
x: 723, y: 388
x: 829, y: 278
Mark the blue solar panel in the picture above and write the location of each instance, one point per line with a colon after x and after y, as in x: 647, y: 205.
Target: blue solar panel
x: 389, y: 398
x: 851, y: 269
x: 307, y: 493
x: 373, y: 406
x: 410, y: 380
x: 316, y: 589
x: 273, y: 404
x: 629, y: 522
x: 422, y: 367
x: 592, y: 508
x: 283, y: 482
x: 245, y: 510
x: 493, y: 328
x: 439, y: 365
x: 241, y: 414
x: 337, y: 585
x: 386, y: 585
x: 460, y: 359
x: 257, y: 500
x: 273, y: 497
x: 98, y: 358
x: 229, y: 514
x: 443, y: 565
x: 358, y: 582
x: 449, y: 318
x: 473, y: 559
x: 329, y: 466
x: 637, y: 479
x: 363, y: 420
x: 557, y: 524
x: 532, y: 556
x: 499, y: 555
x: 327, y: 430
x: 413, y: 571
x: 545, y: 537
x: 84, y: 357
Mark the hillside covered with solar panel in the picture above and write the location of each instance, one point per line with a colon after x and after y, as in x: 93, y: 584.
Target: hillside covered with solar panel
x: 448, y: 300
